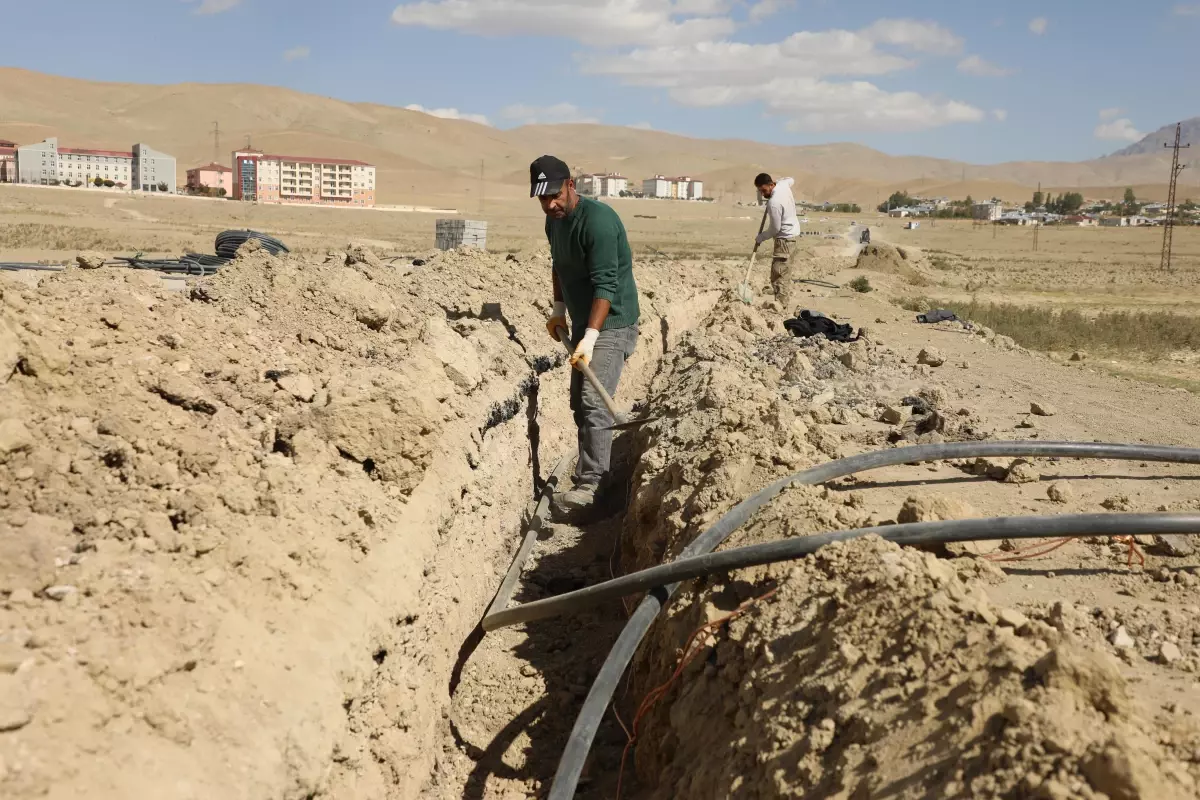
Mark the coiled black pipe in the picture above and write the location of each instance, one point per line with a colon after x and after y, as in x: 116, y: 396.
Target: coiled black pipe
x: 228, y: 242
x: 570, y: 765
x: 912, y: 533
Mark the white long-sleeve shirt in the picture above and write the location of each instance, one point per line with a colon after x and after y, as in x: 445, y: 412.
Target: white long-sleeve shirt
x: 781, y: 214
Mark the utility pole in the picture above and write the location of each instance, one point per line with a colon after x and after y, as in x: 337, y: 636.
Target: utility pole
x: 1169, y: 222
x: 1036, y: 224
x: 216, y: 143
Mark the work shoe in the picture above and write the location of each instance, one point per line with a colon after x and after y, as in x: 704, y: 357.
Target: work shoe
x: 572, y: 504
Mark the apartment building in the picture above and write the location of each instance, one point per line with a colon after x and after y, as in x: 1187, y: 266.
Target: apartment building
x: 76, y: 165
x: 215, y: 177
x: 270, y: 178
x: 602, y: 185
x: 681, y: 188
x: 8, y: 161
x: 47, y: 164
x: 153, y: 171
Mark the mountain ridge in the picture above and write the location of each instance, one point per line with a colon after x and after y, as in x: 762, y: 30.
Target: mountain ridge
x: 425, y: 158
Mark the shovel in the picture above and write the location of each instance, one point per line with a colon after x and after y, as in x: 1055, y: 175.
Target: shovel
x: 744, y: 292
x: 620, y: 423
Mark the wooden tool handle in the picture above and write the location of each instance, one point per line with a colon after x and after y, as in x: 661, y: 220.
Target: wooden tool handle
x: 586, y: 369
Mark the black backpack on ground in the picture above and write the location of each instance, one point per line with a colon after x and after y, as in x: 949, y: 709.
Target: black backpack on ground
x: 814, y: 323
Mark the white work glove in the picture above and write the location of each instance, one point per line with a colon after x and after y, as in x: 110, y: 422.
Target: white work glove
x: 558, y: 319
x: 583, y: 350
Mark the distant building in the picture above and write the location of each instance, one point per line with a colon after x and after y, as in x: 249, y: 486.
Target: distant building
x: 153, y: 171
x: 47, y: 164
x: 1083, y: 221
x: 267, y: 178
x: 38, y: 163
x: 682, y: 188
x: 903, y: 211
x: 987, y: 211
x: 81, y: 167
x: 602, y: 185
x: 8, y: 161
x: 214, y: 177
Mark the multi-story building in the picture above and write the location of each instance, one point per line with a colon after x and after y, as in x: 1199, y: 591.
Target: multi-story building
x: 38, y: 163
x: 8, y: 161
x: 989, y: 211
x: 602, y: 185
x: 268, y: 178
x: 153, y: 171
x: 682, y: 188
x: 79, y: 167
x: 214, y: 177
x: 47, y: 164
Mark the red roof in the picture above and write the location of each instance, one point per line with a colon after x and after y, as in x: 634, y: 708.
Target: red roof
x: 212, y: 167
x: 311, y: 160
x: 80, y: 152
x: 7, y: 151
x: 7, y: 143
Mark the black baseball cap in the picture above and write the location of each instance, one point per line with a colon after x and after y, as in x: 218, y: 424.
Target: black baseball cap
x: 547, y: 175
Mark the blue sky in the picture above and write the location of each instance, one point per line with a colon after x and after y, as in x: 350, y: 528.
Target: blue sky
x: 979, y: 82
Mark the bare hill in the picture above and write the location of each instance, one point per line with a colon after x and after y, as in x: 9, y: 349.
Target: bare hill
x: 1152, y: 144
x: 426, y: 159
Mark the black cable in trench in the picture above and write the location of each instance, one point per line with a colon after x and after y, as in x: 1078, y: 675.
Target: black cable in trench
x: 570, y: 766
x: 912, y: 533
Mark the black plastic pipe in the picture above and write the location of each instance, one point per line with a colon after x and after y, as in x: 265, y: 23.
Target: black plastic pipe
x: 913, y: 533
x: 570, y: 765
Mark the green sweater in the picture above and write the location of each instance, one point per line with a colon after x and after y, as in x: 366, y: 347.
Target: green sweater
x: 592, y: 260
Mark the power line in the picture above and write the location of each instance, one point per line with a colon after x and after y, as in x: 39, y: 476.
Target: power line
x: 1169, y: 222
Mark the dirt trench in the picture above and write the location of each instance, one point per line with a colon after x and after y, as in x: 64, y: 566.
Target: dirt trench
x: 245, y: 528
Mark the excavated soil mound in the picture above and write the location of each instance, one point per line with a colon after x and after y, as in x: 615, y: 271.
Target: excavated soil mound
x: 872, y: 670
x: 876, y: 671
x: 219, y: 508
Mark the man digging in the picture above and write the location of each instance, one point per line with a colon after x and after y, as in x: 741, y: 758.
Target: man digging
x: 783, y: 227
x: 592, y: 276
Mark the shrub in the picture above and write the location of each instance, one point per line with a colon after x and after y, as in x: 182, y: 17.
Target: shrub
x: 860, y: 284
x: 109, y: 183
x: 98, y: 181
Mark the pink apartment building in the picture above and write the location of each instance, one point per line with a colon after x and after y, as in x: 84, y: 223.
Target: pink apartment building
x: 214, y: 176
x: 268, y: 178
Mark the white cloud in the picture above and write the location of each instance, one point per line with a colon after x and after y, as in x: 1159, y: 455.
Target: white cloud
x: 999, y: 114
x: 715, y: 74
x: 557, y: 114
x: 296, y: 53
x: 1186, y: 10
x: 683, y: 46
x: 610, y: 22
x: 767, y: 8
x: 215, y: 6
x: 641, y: 126
x: 1110, y: 113
x: 1038, y: 25
x: 734, y: 63
x: 917, y: 35
x: 974, y: 65
x: 449, y: 113
x: 1119, y: 129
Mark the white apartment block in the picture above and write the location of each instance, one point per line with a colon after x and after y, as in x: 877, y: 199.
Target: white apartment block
x: 602, y: 185
x: 682, y: 188
x: 47, y: 164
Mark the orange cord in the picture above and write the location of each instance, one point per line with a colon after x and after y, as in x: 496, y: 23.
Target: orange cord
x: 691, y: 649
x: 1045, y: 548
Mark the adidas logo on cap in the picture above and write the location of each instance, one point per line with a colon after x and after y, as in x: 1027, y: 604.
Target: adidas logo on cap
x: 542, y: 177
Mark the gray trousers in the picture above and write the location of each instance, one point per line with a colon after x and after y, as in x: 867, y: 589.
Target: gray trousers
x: 595, y: 445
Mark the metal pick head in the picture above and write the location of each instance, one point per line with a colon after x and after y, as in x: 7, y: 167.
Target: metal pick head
x: 628, y: 424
